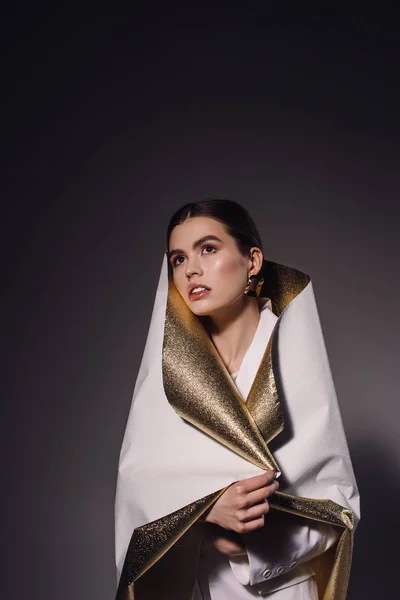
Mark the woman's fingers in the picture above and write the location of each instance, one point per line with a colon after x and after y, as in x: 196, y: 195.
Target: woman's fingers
x: 255, y: 512
x: 227, y: 546
x: 260, y: 495
x: 253, y: 507
x: 231, y: 510
x: 255, y: 483
x: 246, y: 526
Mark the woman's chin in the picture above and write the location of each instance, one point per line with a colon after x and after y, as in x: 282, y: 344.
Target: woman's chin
x: 207, y: 308
x: 202, y: 308
x: 200, y: 312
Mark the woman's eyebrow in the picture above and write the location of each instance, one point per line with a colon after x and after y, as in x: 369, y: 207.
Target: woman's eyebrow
x: 195, y: 245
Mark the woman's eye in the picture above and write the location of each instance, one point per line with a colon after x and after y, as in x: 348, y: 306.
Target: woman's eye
x: 209, y: 249
x: 177, y: 261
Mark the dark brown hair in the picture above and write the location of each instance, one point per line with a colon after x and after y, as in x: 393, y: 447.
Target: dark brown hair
x: 236, y: 219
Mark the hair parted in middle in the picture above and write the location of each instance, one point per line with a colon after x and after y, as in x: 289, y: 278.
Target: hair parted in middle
x: 233, y: 215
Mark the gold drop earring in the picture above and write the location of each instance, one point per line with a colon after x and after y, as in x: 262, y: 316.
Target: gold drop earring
x: 254, y: 285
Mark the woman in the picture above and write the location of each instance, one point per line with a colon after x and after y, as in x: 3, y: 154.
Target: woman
x: 198, y: 511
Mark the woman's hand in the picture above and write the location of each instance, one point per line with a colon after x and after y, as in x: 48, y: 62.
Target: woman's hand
x: 242, y: 507
x: 226, y: 542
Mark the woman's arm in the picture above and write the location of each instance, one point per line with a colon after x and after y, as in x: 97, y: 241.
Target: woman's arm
x: 285, y: 542
x: 260, y: 543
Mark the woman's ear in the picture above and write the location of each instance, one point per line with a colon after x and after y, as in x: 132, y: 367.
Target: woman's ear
x: 256, y: 257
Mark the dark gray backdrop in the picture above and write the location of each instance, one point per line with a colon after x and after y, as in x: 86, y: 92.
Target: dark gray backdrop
x: 112, y: 120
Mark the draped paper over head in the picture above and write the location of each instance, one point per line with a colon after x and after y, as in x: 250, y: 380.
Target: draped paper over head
x: 189, y: 435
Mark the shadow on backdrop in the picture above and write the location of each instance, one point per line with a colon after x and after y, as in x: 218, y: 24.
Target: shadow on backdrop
x: 375, y: 562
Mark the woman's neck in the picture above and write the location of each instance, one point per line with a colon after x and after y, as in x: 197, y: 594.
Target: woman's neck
x: 233, y: 330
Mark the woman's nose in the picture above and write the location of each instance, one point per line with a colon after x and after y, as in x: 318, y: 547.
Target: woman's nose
x: 193, y: 267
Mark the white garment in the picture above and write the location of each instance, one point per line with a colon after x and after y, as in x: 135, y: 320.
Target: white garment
x: 163, y: 451
x: 277, y: 564
x: 216, y: 582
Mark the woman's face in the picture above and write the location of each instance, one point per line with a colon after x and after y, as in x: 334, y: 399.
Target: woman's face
x: 209, y: 271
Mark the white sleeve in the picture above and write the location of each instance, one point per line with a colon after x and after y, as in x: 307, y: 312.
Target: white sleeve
x: 284, y: 543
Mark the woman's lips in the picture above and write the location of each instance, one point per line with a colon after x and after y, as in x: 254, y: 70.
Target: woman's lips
x: 199, y: 293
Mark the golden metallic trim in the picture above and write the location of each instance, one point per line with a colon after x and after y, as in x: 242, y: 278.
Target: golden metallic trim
x: 323, y: 510
x: 200, y: 389
x: 263, y: 401
x: 151, y: 541
x: 282, y: 284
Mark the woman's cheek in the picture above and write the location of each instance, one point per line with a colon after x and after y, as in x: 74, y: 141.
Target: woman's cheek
x: 228, y: 272
x: 227, y: 280
x: 225, y: 269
